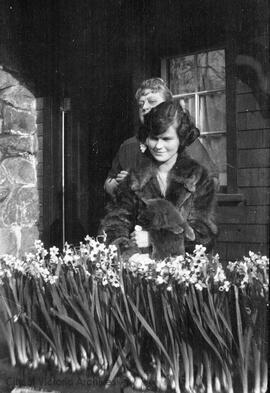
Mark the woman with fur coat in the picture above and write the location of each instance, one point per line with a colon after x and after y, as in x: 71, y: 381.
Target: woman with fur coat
x: 170, y: 197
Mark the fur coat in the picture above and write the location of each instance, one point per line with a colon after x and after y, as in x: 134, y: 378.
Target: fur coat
x: 190, y: 191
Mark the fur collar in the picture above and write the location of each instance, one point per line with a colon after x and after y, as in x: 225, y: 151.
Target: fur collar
x: 185, y: 171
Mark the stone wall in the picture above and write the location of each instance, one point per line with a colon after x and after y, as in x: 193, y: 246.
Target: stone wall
x: 19, y: 202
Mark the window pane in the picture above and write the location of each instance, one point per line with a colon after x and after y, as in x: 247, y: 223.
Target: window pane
x: 211, y: 70
x: 181, y: 75
x: 212, y: 116
x: 188, y: 103
x: 216, y: 147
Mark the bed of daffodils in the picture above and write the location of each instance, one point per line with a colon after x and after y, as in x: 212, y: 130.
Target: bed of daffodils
x: 184, y: 324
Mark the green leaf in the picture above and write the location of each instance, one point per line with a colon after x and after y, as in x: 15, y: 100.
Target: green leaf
x: 75, y: 325
x: 117, y: 365
x: 239, y: 323
x: 213, y: 327
x: 224, y: 319
x: 150, y: 304
x: 198, y: 324
x: 41, y: 331
x: 167, y: 319
x: 150, y: 331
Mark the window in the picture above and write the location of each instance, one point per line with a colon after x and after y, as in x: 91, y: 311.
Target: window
x: 199, y: 82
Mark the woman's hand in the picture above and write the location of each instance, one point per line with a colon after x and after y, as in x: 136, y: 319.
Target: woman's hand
x: 121, y: 176
x: 111, y: 184
x: 140, y: 238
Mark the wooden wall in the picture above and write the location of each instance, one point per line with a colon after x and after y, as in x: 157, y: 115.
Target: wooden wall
x: 244, y: 226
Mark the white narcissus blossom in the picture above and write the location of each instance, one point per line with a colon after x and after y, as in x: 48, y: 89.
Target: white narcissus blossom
x: 116, y: 283
x: 160, y: 266
x: 160, y: 280
x: 225, y: 287
x: 87, y: 238
x: 192, y: 269
x: 68, y: 259
x: 54, y: 251
x: 52, y: 279
x: 193, y: 279
x: 199, y: 250
x: 199, y: 286
x: 220, y: 275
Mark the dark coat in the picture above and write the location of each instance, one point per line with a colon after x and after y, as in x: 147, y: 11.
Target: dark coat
x: 190, y: 189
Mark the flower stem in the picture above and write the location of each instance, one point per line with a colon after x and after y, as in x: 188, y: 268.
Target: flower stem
x: 209, y: 388
x: 257, y: 361
x: 264, y: 385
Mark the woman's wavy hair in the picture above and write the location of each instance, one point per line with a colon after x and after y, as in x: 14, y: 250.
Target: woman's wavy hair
x: 156, y: 85
x: 168, y: 113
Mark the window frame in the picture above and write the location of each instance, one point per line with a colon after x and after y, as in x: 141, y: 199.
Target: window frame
x: 231, y: 130
x: 197, y: 95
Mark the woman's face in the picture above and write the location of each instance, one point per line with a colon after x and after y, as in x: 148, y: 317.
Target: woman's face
x: 147, y: 101
x: 164, y: 147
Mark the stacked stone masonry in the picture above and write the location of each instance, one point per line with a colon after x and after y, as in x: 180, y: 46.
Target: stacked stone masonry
x: 19, y: 205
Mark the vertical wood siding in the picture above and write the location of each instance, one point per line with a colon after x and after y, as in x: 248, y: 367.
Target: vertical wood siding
x: 245, y: 227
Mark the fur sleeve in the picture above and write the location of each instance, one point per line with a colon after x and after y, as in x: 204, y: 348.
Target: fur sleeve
x: 202, y: 213
x: 119, y: 221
